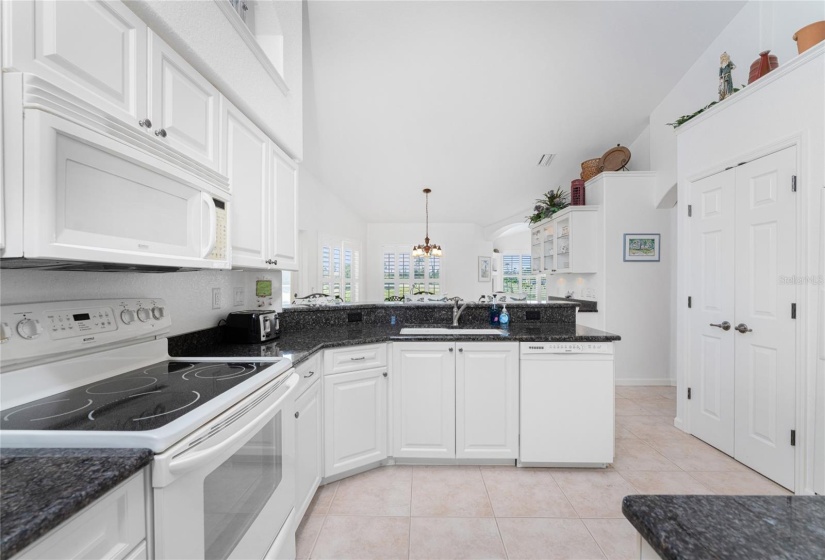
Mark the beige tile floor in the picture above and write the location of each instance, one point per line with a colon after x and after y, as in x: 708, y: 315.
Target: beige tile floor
x: 505, y: 512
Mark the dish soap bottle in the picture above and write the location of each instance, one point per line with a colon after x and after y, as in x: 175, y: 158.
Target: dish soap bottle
x: 504, y: 318
x: 494, y: 315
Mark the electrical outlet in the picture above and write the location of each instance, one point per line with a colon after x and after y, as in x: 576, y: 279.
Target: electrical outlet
x: 239, y: 296
x: 216, y: 298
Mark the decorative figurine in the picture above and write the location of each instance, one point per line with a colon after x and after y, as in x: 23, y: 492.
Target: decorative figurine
x: 726, y: 67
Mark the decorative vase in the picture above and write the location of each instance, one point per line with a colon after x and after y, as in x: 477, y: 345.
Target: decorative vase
x: 809, y: 36
x: 762, y: 65
x: 577, y: 192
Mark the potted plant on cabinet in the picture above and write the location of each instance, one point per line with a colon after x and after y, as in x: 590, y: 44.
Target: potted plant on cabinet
x: 549, y: 204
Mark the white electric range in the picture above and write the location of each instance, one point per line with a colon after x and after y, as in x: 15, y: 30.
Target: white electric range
x: 97, y: 373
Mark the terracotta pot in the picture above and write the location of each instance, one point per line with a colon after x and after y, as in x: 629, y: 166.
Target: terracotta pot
x: 762, y: 65
x: 809, y: 36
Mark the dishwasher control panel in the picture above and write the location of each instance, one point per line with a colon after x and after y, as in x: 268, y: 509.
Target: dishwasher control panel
x: 528, y: 348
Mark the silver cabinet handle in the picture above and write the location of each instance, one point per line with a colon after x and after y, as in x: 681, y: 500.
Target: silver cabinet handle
x: 451, y: 349
x: 743, y: 328
x: 724, y: 325
x: 160, y: 132
x: 145, y: 123
x: 358, y: 359
x: 461, y: 349
x: 385, y: 374
x: 310, y: 375
x: 297, y: 414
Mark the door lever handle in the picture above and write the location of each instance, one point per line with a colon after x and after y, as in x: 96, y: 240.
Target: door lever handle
x: 724, y: 325
x: 743, y: 328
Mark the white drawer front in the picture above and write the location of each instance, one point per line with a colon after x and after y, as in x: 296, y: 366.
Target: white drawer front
x: 110, y: 528
x: 354, y: 358
x: 309, y: 372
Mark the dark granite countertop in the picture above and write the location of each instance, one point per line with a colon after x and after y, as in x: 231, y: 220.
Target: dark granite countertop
x: 585, y: 305
x: 730, y: 527
x: 300, y: 345
x: 41, y: 488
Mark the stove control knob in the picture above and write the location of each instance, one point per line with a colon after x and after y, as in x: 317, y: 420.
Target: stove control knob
x: 144, y: 314
x: 158, y: 313
x: 29, y: 328
x: 127, y: 316
x: 5, y: 332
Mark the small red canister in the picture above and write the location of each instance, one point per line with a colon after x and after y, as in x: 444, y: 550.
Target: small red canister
x: 577, y: 192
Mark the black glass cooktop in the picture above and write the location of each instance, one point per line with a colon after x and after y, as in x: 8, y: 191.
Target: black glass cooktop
x: 142, y: 399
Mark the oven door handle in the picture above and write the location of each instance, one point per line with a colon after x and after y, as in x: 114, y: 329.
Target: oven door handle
x: 191, y: 460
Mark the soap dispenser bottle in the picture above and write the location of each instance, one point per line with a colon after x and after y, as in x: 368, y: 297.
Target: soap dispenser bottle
x: 494, y: 314
x: 504, y: 318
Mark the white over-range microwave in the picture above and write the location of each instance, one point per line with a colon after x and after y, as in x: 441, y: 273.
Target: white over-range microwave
x: 84, y: 191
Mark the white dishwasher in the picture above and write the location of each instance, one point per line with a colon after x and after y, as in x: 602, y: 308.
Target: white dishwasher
x: 567, y: 404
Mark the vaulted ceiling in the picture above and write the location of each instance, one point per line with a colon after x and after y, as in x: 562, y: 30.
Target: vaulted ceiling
x: 464, y: 97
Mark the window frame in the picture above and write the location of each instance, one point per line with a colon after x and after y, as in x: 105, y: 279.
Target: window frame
x: 405, y: 286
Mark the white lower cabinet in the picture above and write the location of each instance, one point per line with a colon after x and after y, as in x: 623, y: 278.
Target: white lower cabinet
x: 114, y: 527
x: 355, y: 419
x: 309, y: 443
x: 423, y: 400
x: 486, y: 404
x: 455, y: 400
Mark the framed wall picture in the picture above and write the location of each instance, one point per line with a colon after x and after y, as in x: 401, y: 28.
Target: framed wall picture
x: 485, y: 269
x: 642, y: 247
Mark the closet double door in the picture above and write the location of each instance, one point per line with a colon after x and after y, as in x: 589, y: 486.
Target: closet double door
x: 742, y: 362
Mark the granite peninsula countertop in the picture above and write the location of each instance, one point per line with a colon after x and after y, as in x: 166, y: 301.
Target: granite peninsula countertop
x: 41, y: 488
x: 300, y: 345
x: 730, y: 527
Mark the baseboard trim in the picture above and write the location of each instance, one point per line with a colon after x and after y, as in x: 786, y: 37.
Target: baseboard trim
x: 677, y: 423
x: 642, y: 381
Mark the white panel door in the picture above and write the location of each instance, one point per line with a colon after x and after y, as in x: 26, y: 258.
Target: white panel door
x: 711, y: 370
x: 487, y: 399
x: 423, y: 400
x: 355, y: 420
x: 184, y: 106
x: 95, y: 50
x: 284, y: 224
x: 245, y: 162
x: 309, y: 446
x: 765, y: 355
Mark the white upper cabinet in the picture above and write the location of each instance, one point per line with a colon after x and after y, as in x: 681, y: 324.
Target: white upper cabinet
x: 184, y: 107
x: 567, y: 242
x: 284, y: 227
x: 85, y: 47
x: 245, y: 162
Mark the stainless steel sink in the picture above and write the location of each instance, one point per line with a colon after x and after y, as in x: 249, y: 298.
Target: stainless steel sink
x: 429, y: 331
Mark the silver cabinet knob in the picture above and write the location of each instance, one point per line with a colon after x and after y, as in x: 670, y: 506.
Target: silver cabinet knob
x: 743, y: 328
x: 461, y: 349
x: 451, y: 349
x: 724, y: 325
x: 160, y: 132
x: 297, y: 414
x: 145, y: 123
x: 385, y: 374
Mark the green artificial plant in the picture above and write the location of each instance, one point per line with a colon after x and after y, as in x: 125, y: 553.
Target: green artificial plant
x: 549, y: 204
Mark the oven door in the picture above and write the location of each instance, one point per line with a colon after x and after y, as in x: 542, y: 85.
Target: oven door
x: 226, y: 491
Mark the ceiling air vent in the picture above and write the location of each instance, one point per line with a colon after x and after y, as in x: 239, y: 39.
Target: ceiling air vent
x: 546, y: 160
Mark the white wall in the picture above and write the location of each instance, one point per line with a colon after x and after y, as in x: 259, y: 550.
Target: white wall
x: 321, y: 212
x: 202, y: 34
x: 758, y: 26
x: 188, y: 295
x: 640, y: 152
x: 462, y: 245
x: 515, y: 243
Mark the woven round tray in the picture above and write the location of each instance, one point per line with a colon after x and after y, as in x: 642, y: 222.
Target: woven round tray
x: 615, y: 159
x: 591, y: 168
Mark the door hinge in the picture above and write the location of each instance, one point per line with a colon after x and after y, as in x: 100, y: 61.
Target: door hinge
x: 689, y: 395
x: 690, y: 210
x: 690, y: 302
x: 793, y: 311
x: 793, y: 183
x: 793, y: 438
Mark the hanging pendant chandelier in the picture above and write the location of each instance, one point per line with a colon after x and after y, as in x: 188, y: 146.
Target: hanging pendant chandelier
x: 426, y: 249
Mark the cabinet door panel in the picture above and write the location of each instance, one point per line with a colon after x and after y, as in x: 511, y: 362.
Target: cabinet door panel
x: 284, y: 227
x: 309, y: 447
x: 355, y: 420
x: 183, y: 103
x: 245, y: 162
x: 86, y: 47
x: 423, y: 400
x: 487, y: 400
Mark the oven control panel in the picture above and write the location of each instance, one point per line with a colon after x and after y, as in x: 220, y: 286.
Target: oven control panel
x: 35, y: 331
